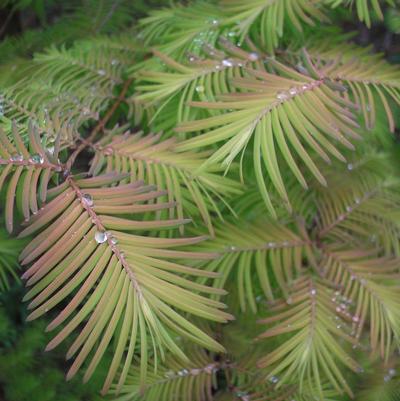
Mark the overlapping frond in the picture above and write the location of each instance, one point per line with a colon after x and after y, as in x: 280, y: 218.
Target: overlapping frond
x: 123, y: 286
x: 146, y: 157
x: 368, y: 292
x: 26, y: 172
x: 262, y: 257
x: 180, y: 29
x: 361, y: 206
x: 192, y: 381
x: 382, y: 382
x: 392, y: 19
x: 367, y: 78
x: 288, y: 115
x: 369, y: 83
x: 267, y: 21
x: 247, y: 386
x: 311, y: 340
x: 198, y: 79
x: 363, y: 7
x: 80, y: 19
x: 67, y: 86
x: 9, y: 251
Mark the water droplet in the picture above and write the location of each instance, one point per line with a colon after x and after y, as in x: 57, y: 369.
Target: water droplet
x: 253, y: 56
x: 305, y: 87
x: 114, y: 61
x: 183, y: 372
x: 50, y: 150
x: 293, y: 91
x: 227, y: 63
x: 199, y: 88
x: 232, y: 248
x: 392, y: 372
x: 271, y: 244
x: 214, y: 22
x: 289, y: 300
x: 313, y: 291
x: 338, y: 326
x: 355, y: 319
x: 16, y: 157
x: 231, y: 34
x: 338, y: 309
x: 114, y: 241
x: 387, y: 378
x: 357, y: 201
x: 281, y: 95
x: 349, y: 208
x: 87, y: 199
x: 101, y: 72
x: 350, y: 167
x: 273, y: 379
x: 37, y: 159
x: 85, y: 111
x: 300, y: 68
x: 100, y: 237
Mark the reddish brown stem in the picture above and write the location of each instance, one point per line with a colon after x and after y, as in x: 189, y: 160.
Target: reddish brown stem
x: 100, y: 125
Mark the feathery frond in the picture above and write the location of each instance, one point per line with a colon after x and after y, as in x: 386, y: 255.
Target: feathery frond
x: 146, y: 157
x: 124, y: 286
x: 69, y: 87
x: 29, y: 170
x: 286, y: 113
x: 261, y: 255
x: 9, y: 251
x: 175, y: 381
x: 363, y: 8
x: 267, y: 21
x: 313, y: 346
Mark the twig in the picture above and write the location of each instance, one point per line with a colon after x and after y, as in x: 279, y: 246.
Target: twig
x: 100, y: 125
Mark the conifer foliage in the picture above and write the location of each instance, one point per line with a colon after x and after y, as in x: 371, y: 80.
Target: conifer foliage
x: 207, y: 198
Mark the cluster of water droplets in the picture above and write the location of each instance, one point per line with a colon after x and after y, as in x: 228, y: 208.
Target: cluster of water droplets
x: 34, y: 159
x: 267, y: 245
x: 209, y: 369
x: 390, y: 374
x: 351, y: 207
x: 343, y: 305
x: 296, y: 90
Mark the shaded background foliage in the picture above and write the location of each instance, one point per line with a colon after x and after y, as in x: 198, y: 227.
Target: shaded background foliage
x: 29, y: 26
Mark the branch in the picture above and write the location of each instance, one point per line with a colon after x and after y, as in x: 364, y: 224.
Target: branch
x: 100, y: 125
